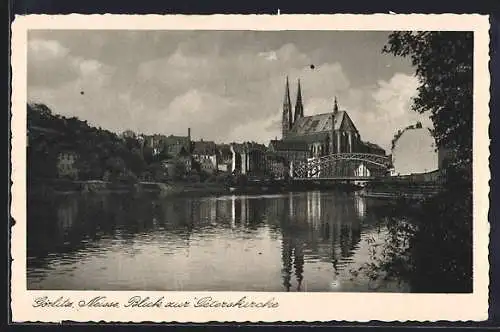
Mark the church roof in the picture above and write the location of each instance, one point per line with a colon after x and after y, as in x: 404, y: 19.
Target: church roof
x: 319, y: 123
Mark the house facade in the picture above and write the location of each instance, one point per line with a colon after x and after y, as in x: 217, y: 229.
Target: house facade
x: 171, y: 145
x: 224, y: 157
x: 66, y: 165
x: 205, y: 154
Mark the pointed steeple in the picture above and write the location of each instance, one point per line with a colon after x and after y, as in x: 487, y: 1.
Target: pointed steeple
x: 335, y: 106
x: 287, y: 101
x: 299, y: 107
x: 287, y: 119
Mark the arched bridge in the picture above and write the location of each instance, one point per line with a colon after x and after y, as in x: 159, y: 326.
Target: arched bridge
x: 342, y: 165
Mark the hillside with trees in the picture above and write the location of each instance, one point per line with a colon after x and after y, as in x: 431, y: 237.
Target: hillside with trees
x: 102, y: 155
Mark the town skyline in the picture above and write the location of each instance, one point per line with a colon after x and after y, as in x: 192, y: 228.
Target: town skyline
x: 227, y: 86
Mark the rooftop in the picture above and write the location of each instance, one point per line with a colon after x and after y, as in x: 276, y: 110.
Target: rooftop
x: 239, y: 147
x: 288, y: 145
x: 204, y: 148
x: 317, y: 123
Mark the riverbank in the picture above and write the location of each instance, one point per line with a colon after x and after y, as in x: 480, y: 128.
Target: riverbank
x: 396, y: 189
x: 178, y: 188
x: 61, y: 187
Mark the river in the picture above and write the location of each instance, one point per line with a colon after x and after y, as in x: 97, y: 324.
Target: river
x: 311, y: 241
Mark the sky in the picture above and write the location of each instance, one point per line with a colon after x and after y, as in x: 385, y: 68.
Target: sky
x: 227, y: 86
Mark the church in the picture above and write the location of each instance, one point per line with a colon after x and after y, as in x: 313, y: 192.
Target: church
x: 313, y: 136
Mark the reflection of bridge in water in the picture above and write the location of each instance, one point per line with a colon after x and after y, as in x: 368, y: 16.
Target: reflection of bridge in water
x: 316, y: 226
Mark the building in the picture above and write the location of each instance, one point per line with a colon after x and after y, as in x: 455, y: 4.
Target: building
x: 326, y: 133
x: 290, y: 149
x: 66, y: 165
x: 248, y: 158
x: 414, y: 151
x: 367, y: 147
x: 128, y: 134
x: 305, y: 138
x: 174, y: 167
x: 205, y: 153
x: 362, y: 171
x: 224, y: 157
x: 187, y: 161
x: 171, y: 145
x: 276, y: 166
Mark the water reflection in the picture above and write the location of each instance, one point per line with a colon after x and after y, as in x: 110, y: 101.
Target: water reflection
x: 291, y: 242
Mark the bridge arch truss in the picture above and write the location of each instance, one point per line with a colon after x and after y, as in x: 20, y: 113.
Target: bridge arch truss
x: 330, y: 164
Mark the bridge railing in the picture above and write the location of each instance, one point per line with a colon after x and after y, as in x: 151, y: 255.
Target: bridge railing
x: 313, y: 167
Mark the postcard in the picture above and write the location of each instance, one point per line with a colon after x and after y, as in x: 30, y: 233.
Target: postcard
x: 250, y: 168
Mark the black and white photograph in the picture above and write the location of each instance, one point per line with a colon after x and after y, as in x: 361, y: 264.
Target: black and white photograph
x: 223, y: 160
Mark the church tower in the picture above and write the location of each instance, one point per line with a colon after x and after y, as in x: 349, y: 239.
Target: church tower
x: 287, y: 120
x: 299, y: 108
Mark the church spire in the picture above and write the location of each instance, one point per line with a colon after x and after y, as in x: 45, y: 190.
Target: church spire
x: 299, y: 108
x: 335, y: 106
x: 287, y: 119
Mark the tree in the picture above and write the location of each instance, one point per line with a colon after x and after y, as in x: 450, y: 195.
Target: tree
x: 147, y: 153
x: 163, y: 155
x: 180, y: 169
x: 438, y: 254
x: 443, y: 61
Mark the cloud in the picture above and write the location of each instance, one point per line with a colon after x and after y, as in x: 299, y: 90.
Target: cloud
x: 268, y: 127
x: 50, y: 64
x: 187, y: 70
x: 269, y: 56
x: 247, y: 83
x: 72, y: 85
x: 224, y: 86
x: 44, y: 50
x: 387, y: 108
x: 243, y: 87
x: 205, y: 113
